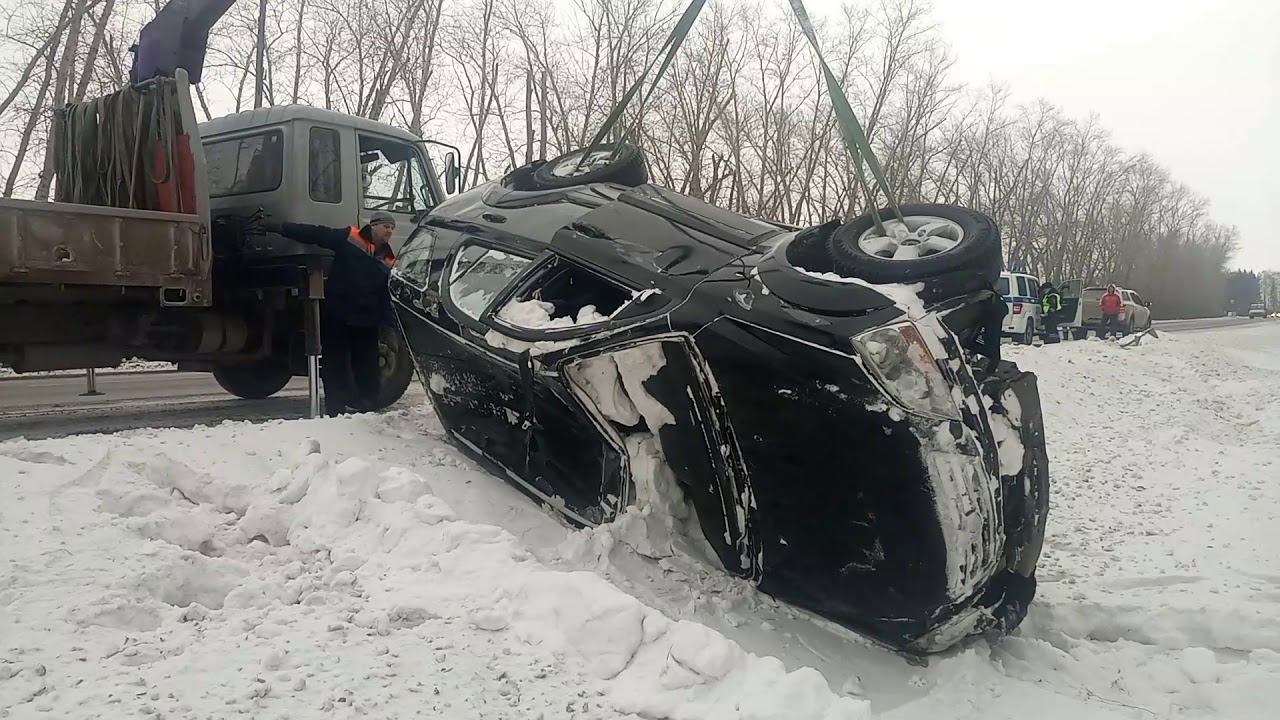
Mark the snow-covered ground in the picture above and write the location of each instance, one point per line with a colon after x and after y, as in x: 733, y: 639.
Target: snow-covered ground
x: 131, y: 365
x: 360, y: 567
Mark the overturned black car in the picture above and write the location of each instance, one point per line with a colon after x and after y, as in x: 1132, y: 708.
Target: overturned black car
x: 850, y: 443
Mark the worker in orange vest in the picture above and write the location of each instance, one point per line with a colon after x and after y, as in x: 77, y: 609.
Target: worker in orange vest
x: 356, y: 305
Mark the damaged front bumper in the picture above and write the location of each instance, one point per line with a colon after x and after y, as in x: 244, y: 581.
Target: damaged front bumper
x: 1001, y: 604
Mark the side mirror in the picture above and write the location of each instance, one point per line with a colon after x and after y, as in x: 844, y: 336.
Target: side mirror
x: 452, y: 174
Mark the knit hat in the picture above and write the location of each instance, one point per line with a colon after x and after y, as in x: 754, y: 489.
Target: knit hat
x: 379, y: 217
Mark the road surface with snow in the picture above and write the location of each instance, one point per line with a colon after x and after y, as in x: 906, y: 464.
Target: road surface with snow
x: 360, y: 567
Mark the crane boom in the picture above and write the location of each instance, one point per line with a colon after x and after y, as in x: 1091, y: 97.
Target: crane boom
x: 176, y: 38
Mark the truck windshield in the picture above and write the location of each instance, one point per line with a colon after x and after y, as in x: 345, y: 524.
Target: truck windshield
x: 244, y: 165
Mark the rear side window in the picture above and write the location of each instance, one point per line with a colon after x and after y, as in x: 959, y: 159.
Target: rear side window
x: 564, y: 296
x: 324, y: 165
x: 1003, y: 286
x: 245, y: 165
x: 479, y: 275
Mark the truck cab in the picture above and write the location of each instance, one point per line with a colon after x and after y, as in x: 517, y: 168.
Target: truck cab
x: 172, y: 270
x: 308, y: 165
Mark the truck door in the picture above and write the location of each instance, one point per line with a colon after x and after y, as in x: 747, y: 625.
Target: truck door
x: 394, y: 179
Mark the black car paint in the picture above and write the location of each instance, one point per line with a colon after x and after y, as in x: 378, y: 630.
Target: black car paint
x: 748, y: 340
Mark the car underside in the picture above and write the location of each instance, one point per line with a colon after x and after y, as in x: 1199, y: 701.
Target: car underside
x: 853, y: 448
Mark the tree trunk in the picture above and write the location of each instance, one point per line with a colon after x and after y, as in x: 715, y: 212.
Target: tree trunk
x: 29, y: 129
x: 259, y: 55
x: 66, y: 66
x: 95, y: 45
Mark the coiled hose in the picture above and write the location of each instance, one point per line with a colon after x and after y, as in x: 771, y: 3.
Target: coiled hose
x: 103, y: 147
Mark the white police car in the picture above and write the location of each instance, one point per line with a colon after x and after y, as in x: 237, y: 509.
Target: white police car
x: 1022, y: 297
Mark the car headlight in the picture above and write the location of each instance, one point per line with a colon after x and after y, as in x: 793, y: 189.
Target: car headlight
x: 903, y: 366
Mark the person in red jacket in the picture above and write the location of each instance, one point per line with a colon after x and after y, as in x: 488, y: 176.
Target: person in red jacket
x: 1112, y: 305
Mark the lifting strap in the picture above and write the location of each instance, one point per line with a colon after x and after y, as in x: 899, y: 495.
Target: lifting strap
x: 855, y: 139
x: 667, y: 52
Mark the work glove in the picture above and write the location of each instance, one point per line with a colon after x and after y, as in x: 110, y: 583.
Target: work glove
x: 260, y: 223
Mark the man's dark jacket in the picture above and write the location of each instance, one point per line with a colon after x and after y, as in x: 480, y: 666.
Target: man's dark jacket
x: 355, y: 293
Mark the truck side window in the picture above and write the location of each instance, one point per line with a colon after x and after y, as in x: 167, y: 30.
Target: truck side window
x: 324, y: 165
x: 245, y: 165
x: 394, y: 176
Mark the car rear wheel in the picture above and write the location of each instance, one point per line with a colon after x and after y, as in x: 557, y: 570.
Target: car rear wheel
x: 1029, y: 335
x: 953, y: 250
x: 612, y: 163
x: 254, y: 382
x: 1079, y: 333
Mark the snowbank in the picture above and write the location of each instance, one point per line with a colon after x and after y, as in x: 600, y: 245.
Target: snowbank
x: 304, y: 584
x: 130, y: 365
x: 360, y: 567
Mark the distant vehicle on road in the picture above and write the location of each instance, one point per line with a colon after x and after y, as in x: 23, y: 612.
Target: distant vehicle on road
x: 1135, y: 316
x: 1257, y: 310
x: 1021, y: 294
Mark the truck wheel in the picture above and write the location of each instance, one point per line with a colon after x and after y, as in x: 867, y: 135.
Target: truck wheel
x: 254, y: 382
x: 395, y: 368
x: 623, y: 164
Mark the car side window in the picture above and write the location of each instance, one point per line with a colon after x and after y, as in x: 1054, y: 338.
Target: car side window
x: 563, y: 296
x: 1023, y: 287
x: 479, y: 274
x: 1138, y: 299
x: 414, y: 261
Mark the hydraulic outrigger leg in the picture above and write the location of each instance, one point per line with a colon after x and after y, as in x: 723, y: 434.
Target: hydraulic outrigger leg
x: 315, y: 293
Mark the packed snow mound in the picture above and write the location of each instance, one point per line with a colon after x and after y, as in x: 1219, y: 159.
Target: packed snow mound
x: 360, y: 567
x: 538, y: 315
x: 319, y: 582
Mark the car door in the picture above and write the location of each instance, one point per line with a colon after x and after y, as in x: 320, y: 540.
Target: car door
x: 475, y: 387
x: 573, y: 455
x: 1129, y: 316
x: 1031, y: 293
x: 1141, y: 313
x: 394, y: 179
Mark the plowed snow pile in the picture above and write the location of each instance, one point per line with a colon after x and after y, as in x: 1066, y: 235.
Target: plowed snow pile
x: 360, y: 567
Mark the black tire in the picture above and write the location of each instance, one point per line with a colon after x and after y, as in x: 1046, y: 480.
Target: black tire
x: 1079, y: 333
x: 254, y: 382
x: 395, y: 369
x: 1029, y: 334
x: 977, y: 256
x: 626, y: 168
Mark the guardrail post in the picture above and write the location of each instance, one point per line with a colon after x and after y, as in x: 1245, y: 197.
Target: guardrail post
x: 91, y: 380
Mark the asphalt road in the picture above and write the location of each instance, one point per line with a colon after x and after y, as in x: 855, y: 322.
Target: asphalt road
x: 52, y: 405
x: 1214, y: 323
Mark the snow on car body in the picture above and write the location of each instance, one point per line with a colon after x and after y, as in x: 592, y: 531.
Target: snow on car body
x: 604, y: 346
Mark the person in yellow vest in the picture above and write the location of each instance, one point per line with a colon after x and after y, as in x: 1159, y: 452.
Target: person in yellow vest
x: 356, y: 304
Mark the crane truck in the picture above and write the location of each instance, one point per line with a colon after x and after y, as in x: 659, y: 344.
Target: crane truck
x: 148, y: 250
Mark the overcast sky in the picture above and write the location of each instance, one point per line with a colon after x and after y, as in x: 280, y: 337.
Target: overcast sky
x: 1196, y: 83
